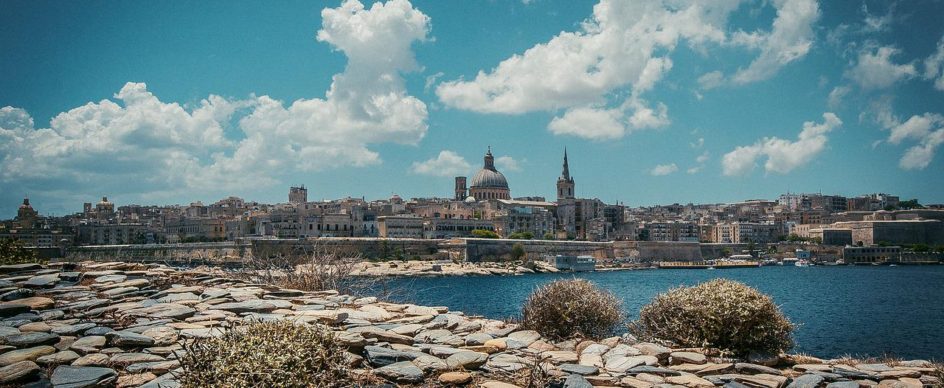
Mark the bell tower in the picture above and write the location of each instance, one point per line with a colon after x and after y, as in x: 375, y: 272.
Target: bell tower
x: 565, y: 184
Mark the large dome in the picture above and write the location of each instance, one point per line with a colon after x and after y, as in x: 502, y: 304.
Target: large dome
x: 489, y: 178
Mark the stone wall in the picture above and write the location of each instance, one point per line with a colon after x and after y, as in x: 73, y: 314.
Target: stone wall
x: 652, y: 251
x: 484, y: 249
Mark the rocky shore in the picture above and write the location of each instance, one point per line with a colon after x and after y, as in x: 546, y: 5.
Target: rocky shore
x: 403, y: 268
x: 122, y: 324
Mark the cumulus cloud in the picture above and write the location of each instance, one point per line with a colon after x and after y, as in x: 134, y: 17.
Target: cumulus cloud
x: 927, y: 130
x: 919, y: 157
x: 875, y: 69
x: 782, y: 155
x: 166, y: 147
x: 663, y: 169
x: 447, y: 163
x: 934, y: 66
x: 789, y: 40
x: 507, y: 163
x: 599, y: 73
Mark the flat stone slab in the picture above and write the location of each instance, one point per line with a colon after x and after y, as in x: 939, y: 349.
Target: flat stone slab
x: 18, y: 372
x: 164, y: 310
x: 72, y: 329
x: 128, y: 339
x: 579, y: 369
x: 30, y: 339
x: 34, y: 302
x: 42, y: 281
x: 401, y: 372
x: 253, y: 306
x: 28, y: 354
x: 806, y: 381
x: 84, y: 376
x: 467, y: 360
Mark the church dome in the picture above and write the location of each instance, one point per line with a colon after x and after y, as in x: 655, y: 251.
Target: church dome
x: 488, y: 176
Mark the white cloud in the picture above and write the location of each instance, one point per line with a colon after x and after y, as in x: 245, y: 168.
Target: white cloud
x: 875, y: 69
x: 934, y: 66
x: 599, y: 73
x: 917, y: 127
x: 919, y: 157
x: 167, y: 148
x: 710, y: 80
x: 702, y: 158
x: 698, y: 143
x: 782, y: 155
x: 789, y: 40
x: 431, y: 80
x: 663, y: 169
x: 507, y: 163
x: 876, y: 23
x: 836, y: 96
x: 447, y: 163
x: 590, y: 123
x: 927, y: 130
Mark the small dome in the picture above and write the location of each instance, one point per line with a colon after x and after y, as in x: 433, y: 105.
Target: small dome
x: 470, y: 199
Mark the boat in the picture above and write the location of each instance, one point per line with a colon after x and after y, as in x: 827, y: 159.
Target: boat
x: 802, y: 263
x: 789, y: 261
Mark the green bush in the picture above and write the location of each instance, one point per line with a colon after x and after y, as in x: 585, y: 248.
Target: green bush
x: 570, y: 309
x: 521, y: 236
x: 517, y: 251
x: 266, y: 354
x: 484, y: 233
x: 719, y: 313
x: 13, y: 252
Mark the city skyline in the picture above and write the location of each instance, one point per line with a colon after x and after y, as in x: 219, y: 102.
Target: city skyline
x: 207, y: 102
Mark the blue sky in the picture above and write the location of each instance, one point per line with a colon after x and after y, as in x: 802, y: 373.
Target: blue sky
x: 656, y: 102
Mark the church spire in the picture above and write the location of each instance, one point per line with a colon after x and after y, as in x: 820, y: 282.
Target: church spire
x: 565, y: 184
x: 565, y: 174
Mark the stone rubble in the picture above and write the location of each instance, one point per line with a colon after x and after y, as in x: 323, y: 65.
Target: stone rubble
x: 122, y: 324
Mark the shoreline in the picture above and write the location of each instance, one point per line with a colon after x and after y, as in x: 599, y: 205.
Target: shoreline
x: 126, y: 321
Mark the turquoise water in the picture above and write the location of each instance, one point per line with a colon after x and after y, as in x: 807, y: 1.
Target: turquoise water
x: 844, y: 310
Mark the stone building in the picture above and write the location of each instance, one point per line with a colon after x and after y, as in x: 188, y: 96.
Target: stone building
x: 400, y: 226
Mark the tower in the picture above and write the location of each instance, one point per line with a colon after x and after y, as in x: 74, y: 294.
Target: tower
x: 460, y: 188
x: 565, y: 184
x: 297, y: 194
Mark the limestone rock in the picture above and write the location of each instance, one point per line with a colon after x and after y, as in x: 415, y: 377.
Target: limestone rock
x: 401, y: 372
x: 28, y: 354
x: 467, y: 360
x: 18, y: 372
x: 455, y: 378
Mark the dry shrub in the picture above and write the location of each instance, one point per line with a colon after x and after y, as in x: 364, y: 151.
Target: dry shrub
x: 938, y: 374
x: 313, y: 270
x: 571, y: 308
x: 266, y: 354
x: 719, y: 313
